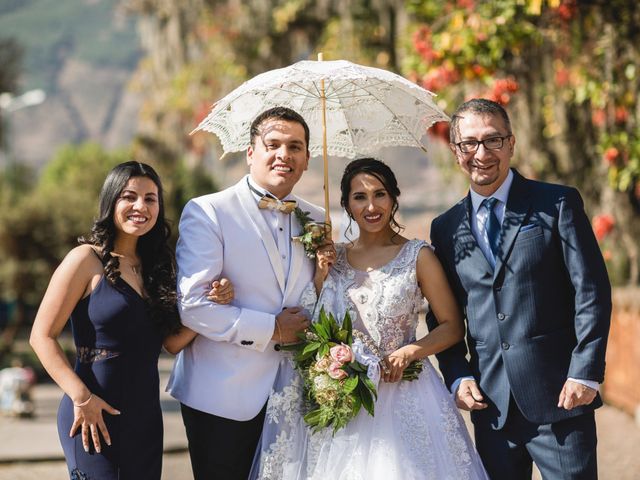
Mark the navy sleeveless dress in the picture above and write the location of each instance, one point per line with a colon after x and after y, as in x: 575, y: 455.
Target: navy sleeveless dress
x: 117, y: 358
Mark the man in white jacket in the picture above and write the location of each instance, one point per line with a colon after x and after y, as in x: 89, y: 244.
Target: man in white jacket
x: 242, y: 233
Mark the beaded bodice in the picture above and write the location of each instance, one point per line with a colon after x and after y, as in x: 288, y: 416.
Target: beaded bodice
x: 383, y: 303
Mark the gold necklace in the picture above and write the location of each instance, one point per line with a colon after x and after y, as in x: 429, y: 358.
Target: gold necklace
x: 135, y: 268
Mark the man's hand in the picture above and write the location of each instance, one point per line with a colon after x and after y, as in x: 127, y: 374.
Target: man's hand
x: 289, y: 322
x: 574, y: 394
x: 468, y: 396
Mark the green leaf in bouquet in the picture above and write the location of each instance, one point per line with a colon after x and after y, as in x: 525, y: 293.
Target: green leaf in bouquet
x: 412, y: 372
x: 319, y: 418
x: 348, y: 327
x: 357, y: 405
x: 357, y: 367
x: 343, y: 337
x: 323, y: 332
x: 321, y: 329
x: 369, y: 385
x: 322, y: 318
x: 313, y: 417
x: 333, y: 326
x: 366, y: 398
x: 323, y: 350
x: 325, y: 417
x: 338, y: 424
x: 302, y: 358
x: 309, y: 349
x: 350, y: 384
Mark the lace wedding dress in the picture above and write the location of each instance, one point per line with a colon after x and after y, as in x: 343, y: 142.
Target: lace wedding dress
x: 416, y: 433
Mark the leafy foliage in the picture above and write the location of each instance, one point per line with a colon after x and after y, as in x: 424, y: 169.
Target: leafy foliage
x: 41, y: 225
x: 568, y: 71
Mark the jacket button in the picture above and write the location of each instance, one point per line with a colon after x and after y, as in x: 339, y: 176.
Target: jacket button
x: 501, y: 316
x: 505, y: 346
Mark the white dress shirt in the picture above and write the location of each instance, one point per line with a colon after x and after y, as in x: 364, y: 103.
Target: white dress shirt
x: 479, y: 216
x: 279, y: 224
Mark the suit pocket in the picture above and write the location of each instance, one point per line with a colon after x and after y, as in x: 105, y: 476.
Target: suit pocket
x: 529, y: 231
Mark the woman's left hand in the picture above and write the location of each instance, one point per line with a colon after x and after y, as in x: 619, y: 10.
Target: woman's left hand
x: 221, y: 291
x: 325, y: 257
x: 393, y: 365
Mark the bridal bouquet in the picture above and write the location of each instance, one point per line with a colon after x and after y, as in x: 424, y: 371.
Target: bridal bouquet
x: 335, y: 383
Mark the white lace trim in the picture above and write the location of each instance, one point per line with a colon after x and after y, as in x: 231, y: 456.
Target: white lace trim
x: 366, y: 109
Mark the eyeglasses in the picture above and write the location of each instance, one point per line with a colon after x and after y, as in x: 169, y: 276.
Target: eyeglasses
x: 471, y: 146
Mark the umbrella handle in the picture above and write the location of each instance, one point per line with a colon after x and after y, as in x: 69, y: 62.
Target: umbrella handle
x: 323, y: 100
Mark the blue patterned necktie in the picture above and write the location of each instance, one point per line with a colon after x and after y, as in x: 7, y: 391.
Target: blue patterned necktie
x: 492, y: 225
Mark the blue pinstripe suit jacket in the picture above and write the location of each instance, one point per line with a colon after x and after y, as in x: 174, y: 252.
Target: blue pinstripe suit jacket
x: 541, y: 315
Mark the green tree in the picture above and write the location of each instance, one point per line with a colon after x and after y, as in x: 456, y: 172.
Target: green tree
x: 11, y: 60
x: 39, y: 226
x: 40, y: 223
x: 567, y: 71
x: 199, y: 50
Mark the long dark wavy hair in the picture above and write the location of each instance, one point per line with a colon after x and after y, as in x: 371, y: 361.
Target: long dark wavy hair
x: 382, y: 172
x: 158, y: 263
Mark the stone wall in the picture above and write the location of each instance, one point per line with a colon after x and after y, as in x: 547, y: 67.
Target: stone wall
x: 622, y: 378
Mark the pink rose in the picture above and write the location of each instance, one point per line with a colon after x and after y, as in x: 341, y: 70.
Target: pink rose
x: 341, y: 353
x: 335, y: 371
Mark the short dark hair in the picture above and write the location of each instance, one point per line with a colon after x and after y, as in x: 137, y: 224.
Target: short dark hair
x: 280, y: 113
x: 382, y: 172
x: 480, y: 106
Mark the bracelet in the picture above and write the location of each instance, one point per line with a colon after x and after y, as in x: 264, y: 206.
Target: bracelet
x: 84, y: 404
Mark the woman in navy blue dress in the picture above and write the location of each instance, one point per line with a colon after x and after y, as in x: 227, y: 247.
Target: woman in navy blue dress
x: 118, y: 289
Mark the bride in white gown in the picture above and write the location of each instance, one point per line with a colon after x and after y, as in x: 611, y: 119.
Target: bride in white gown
x: 381, y: 279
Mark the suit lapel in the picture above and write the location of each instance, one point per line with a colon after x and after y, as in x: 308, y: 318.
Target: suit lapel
x: 297, y: 254
x: 465, y: 245
x: 515, y: 213
x: 250, y: 206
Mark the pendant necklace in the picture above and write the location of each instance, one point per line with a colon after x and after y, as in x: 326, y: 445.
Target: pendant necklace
x: 134, y: 268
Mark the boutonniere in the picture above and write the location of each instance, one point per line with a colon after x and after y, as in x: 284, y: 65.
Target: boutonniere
x: 314, y: 234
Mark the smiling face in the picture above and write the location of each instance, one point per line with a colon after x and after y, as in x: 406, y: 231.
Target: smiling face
x: 279, y: 156
x: 370, y: 204
x: 136, y: 210
x: 486, y: 169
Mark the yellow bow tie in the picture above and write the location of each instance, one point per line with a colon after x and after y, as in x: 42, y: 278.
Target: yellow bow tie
x: 286, y: 206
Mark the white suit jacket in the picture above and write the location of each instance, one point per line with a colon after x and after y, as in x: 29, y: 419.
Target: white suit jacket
x: 229, y: 368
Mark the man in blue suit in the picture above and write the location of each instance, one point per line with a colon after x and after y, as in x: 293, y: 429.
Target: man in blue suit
x: 527, y: 271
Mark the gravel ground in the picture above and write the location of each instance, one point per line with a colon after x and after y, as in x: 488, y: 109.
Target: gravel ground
x: 618, y: 447
x: 618, y: 455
